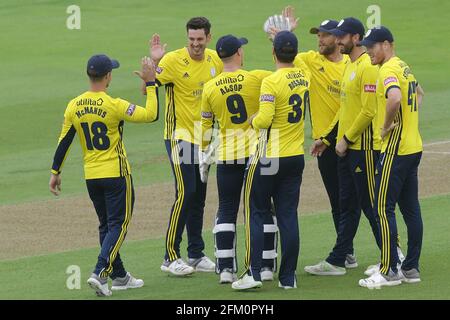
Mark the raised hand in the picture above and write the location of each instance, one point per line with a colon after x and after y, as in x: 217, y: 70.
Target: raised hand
x: 157, y: 51
x: 147, y: 72
x: 289, y: 13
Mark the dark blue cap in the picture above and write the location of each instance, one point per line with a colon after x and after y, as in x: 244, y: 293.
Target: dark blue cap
x: 285, y: 42
x: 377, y: 34
x: 228, y: 45
x: 325, y: 26
x: 348, y: 25
x: 99, y: 65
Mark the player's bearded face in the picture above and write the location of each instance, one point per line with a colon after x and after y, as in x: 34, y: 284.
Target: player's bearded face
x: 346, y: 44
x: 327, y: 43
x: 197, y: 41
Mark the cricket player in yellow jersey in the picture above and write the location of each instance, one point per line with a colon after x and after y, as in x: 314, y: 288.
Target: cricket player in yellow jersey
x: 184, y: 72
x: 399, y: 96
x: 275, y: 170
x: 358, y: 145
x: 230, y: 99
x: 326, y: 67
x: 98, y: 120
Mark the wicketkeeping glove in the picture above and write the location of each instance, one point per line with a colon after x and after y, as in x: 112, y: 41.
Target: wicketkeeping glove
x: 277, y: 22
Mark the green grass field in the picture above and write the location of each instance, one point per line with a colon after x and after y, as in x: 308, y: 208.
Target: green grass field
x: 44, y: 67
x: 44, y: 277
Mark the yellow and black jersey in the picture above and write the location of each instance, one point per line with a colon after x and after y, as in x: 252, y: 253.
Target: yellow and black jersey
x: 284, y: 97
x: 98, y: 120
x: 184, y: 79
x: 325, y: 88
x: 357, y: 114
x: 230, y: 99
x: 405, y: 138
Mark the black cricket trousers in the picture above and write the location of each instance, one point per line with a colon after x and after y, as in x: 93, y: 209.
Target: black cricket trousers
x: 113, y: 199
x: 283, y: 186
x: 190, y: 194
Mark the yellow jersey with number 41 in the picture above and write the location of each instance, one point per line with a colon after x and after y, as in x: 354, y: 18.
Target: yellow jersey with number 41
x: 405, y: 138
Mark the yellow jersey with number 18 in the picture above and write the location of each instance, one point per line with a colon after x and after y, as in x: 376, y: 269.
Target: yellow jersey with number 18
x: 184, y: 78
x: 405, y: 138
x: 98, y: 120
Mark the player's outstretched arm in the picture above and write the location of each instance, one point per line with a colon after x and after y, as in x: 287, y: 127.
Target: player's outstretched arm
x: 134, y: 113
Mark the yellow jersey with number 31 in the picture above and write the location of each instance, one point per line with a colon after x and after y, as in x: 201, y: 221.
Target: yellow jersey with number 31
x: 284, y: 97
x: 405, y: 138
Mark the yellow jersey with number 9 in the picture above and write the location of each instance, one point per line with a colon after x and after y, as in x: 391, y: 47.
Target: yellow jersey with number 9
x: 231, y: 99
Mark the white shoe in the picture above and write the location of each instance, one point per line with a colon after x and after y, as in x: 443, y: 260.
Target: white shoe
x: 372, y: 269
x: 266, y: 274
x: 127, y: 282
x: 246, y: 282
x: 177, y: 267
x: 227, y: 276
x: 378, y: 280
x: 203, y: 264
x: 288, y: 287
x: 100, y: 285
x: 323, y: 268
x: 350, y: 261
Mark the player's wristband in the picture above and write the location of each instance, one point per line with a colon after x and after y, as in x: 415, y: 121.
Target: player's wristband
x: 346, y: 140
x: 325, y: 141
x: 150, y: 84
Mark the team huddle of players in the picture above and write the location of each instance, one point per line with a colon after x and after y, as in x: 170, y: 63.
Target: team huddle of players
x: 363, y: 103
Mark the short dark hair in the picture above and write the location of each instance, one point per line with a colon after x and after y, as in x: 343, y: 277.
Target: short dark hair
x: 285, y: 58
x: 95, y: 77
x: 197, y: 23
